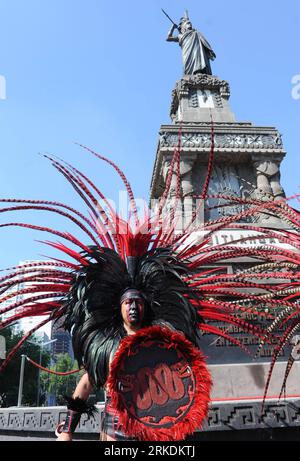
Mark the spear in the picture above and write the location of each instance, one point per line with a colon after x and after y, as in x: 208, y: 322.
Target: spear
x: 170, y: 19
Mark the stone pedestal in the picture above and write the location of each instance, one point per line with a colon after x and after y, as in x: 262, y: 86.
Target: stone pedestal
x: 197, y: 96
x: 247, y: 165
x: 247, y: 157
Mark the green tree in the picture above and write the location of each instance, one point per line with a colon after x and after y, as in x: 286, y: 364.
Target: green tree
x: 61, y: 385
x: 9, y: 382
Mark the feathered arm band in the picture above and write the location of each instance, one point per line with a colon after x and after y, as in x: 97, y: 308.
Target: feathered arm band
x: 80, y: 406
x: 76, y: 407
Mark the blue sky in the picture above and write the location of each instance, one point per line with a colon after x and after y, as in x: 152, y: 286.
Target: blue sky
x: 101, y: 73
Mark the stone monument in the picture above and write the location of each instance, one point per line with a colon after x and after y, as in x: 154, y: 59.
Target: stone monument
x: 247, y: 165
x: 196, y: 51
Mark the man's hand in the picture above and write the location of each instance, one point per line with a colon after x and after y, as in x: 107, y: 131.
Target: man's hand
x: 64, y: 437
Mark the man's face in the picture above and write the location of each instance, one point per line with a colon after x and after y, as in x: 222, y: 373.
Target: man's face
x: 132, y: 310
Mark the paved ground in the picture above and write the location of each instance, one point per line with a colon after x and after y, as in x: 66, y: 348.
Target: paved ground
x: 52, y: 438
x: 11, y: 438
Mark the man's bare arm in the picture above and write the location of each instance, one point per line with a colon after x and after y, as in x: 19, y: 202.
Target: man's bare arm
x: 83, y: 390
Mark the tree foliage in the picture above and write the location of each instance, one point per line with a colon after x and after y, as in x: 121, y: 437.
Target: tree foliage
x: 61, y: 385
x: 9, y: 380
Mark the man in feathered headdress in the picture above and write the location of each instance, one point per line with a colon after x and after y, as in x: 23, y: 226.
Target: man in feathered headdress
x: 138, y: 295
x: 132, y: 308
x: 113, y: 300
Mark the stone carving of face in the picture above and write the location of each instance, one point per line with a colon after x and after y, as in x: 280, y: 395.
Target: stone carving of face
x: 132, y: 309
x: 185, y: 25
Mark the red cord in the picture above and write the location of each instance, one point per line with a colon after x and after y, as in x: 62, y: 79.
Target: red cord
x: 59, y: 373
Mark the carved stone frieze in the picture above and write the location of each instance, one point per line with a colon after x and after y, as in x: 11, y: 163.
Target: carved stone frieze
x: 43, y: 419
x: 202, y: 81
x: 222, y: 416
x: 222, y: 124
x: 234, y: 141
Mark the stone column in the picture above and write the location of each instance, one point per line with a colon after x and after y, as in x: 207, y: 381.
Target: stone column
x: 184, y: 206
x: 268, y: 184
x: 268, y: 178
x: 165, y: 172
x: 277, y: 188
x: 173, y: 208
x: 187, y: 186
x: 263, y: 188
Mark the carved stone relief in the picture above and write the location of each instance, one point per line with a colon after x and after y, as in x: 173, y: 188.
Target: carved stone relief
x: 202, y: 83
x: 233, y: 141
x: 224, y: 181
x: 268, y: 179
x: 186, y: 177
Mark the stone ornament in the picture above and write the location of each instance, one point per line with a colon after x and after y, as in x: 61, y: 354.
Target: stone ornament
x: 268, y: 179
x: 233, y: 141
x: 188, y: 85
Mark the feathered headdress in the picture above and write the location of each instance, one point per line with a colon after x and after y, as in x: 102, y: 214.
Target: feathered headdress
x: 172, y: 271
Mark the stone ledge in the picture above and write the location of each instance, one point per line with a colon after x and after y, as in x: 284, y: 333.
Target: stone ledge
x: 270, y: 140
x: 223, y: 416
x: 43, y: 419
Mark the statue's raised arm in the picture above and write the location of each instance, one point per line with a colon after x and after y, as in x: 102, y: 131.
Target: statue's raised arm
x: 171, y: 37
x: 196, y: 51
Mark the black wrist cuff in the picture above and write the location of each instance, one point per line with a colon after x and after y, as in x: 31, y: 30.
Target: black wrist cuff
x: 71, y: 422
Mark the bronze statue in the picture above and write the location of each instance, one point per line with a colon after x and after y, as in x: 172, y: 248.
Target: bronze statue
x: 196, y: 51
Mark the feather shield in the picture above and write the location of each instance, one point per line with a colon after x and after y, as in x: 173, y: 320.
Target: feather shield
x: 159, y: 385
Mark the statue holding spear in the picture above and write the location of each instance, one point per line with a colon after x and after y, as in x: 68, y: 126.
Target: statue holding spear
x: 196, y: 51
